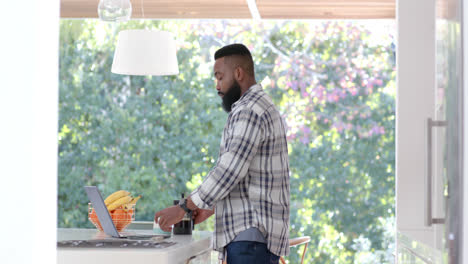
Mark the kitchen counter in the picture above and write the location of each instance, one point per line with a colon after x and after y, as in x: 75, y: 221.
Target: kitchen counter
x: 195, y: 248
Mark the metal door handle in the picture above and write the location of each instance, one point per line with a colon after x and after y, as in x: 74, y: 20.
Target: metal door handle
x: 428, y: 220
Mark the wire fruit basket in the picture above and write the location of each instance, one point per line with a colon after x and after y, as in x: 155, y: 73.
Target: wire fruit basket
x: 121, y: 217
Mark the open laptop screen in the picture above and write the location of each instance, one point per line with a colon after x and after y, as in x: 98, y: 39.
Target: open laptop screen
x: 101, y: 210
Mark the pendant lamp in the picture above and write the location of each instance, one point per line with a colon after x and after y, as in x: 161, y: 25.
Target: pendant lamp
x: 145, y: 52
x: 114, y: 10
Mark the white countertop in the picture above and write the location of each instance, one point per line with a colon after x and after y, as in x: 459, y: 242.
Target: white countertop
x: 185, y: 248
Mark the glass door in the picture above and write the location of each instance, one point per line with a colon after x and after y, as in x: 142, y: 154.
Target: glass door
x: 444, y: 167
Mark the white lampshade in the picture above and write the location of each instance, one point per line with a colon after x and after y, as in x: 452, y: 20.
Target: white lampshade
x: 145, y: 52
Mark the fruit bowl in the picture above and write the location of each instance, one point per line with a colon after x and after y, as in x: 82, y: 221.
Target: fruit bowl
x: 122, y: 216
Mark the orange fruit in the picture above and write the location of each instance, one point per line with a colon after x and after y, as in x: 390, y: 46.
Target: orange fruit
x: 121, y: 219
x: 94, y: 219
x: 128, y: 218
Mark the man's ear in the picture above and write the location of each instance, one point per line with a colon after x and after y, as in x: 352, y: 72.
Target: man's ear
x: 238, y: 74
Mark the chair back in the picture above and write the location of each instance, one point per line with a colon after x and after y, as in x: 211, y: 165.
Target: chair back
x: 293, y: 242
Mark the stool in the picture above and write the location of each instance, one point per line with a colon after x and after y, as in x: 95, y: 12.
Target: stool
x: 296, y: 242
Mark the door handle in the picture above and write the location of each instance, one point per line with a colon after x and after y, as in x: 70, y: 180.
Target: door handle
x: 428, y: 220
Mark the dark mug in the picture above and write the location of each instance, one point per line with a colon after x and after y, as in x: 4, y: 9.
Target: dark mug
x: 185, y: 226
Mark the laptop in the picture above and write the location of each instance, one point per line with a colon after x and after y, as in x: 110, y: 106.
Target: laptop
x: 106, y: 220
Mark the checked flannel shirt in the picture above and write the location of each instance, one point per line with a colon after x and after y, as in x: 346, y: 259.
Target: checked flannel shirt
x: 249, y: 185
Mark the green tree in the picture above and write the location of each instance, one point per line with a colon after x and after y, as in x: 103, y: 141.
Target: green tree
x: 336, y: 89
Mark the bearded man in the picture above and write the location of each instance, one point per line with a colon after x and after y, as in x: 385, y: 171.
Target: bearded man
x: 248, y: 188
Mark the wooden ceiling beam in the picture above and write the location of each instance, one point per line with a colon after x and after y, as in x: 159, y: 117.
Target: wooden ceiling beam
x: 215, y: 9
x: 326, y: 9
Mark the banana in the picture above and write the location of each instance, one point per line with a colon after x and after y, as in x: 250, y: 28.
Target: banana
x: 115, y: 196
x: 119, y: 202
x: 133, y: 201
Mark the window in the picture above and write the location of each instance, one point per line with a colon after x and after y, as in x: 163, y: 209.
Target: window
x: 333, y: 81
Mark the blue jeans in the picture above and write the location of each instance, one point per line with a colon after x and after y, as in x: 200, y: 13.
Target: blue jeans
x: 250, y: 252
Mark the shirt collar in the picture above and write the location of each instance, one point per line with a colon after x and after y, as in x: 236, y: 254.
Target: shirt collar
x: 254, y: 88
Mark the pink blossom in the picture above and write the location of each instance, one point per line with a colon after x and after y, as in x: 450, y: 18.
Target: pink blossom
x: 294, y: 86
x: 339, y: 128
x: 382, y: 130
x: 342, y: 94
x: 306, y: 130
x: 376, y: 130
x: 302, y: 85
x: 320, y: 97
x: 343, y: 83
x: 333, y: 97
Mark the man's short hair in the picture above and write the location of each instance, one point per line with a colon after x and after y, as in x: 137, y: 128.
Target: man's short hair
x: 240, y: 56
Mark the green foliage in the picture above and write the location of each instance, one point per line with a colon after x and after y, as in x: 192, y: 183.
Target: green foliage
x: 158, y: 136
x: 147, y: 135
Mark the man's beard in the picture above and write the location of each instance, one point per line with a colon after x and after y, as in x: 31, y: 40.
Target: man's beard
x: 231, y: 96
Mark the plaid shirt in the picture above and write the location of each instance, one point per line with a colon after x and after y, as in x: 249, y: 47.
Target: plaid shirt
x: 249, y: 185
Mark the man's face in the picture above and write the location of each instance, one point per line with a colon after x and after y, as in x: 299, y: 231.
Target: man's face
x: 228, y: 88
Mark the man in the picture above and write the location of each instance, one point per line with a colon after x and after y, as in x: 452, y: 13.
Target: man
x: 248, y: 188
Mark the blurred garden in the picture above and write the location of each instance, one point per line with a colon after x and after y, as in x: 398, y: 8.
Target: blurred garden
x: 333, y: 81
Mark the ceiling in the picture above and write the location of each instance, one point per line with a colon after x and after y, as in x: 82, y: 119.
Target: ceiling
x: 216, y: 9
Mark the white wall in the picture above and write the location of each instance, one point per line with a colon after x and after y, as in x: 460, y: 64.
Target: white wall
x: 415, y: 103
x: 464, y: 249
x: 28, y: 130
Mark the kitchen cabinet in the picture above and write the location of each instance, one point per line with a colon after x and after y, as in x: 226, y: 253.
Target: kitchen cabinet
x: 195, y: 248
x: 430, y: 198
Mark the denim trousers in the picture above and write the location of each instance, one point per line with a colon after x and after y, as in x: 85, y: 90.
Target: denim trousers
x: 250, y: 252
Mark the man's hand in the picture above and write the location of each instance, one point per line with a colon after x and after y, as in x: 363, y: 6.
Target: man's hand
x: 201, y: 215
x: 169, y: 216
